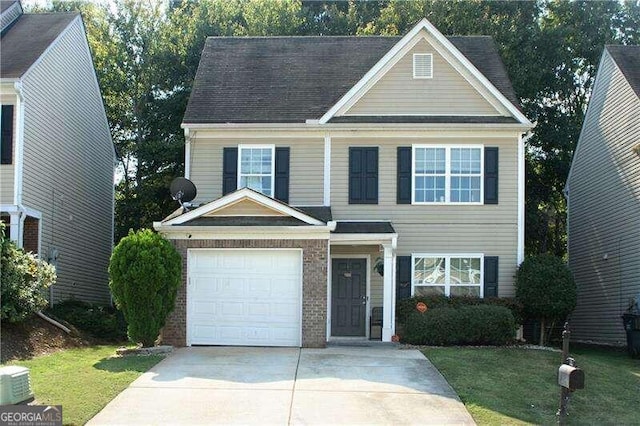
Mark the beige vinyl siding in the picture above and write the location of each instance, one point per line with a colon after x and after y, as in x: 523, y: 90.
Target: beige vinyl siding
x: 245, y: 208
x: 604, y: 209
x: 306, y: 165
x: 6, y: 183
x: 7, y: 170
x: 487, y: 229
x: 398, y: 93
x: 68, y: 166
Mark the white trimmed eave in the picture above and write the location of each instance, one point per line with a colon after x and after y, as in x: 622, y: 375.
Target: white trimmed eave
x: 182, y: 232
x: 393, y: 56
x: 244, y: 193
x: 199, y: 129
x: 364, y: 239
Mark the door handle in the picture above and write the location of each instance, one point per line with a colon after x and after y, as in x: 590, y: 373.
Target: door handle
x: 364, y: 300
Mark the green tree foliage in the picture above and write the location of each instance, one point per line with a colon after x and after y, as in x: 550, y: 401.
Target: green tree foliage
x: 145, y: 271
x: 546, y: 289
x: 147, y: 53
x: 23, y: 279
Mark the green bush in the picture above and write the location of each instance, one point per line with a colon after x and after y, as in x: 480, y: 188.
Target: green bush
x: 99, y: 321
x: 546, y: 289
x: 23, y: 279
x: 464, y: 325
x: 406, y: 307
x: 145, y: 272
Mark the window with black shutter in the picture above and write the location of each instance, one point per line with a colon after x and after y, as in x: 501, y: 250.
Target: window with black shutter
x: 363, y: 175
x: 6, y: 134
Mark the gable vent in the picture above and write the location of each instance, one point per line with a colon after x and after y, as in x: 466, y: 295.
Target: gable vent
x: 422, y: 65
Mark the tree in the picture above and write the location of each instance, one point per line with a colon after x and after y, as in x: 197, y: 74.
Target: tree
x: 546, y: 289
x: 23, y: 280
x: 145, y: 272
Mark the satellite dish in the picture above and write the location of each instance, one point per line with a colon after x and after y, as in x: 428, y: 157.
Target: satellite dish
x: 182, y: 190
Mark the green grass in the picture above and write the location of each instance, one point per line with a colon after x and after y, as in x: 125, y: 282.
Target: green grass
x: 83, y: 380
x: 519, y: 386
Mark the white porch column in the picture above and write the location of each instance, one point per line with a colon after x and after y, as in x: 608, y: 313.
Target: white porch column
x: 389, y: 296
x: 15, y: 227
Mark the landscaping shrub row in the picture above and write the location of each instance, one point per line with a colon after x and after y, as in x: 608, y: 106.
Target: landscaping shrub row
x: 99, y: 321
x: 463, y: 325
x: 406, y: 307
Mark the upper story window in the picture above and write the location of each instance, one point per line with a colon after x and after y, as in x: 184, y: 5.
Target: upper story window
x: 449, y: 275
x: 447, y: 174
x: 422, y: 65
x: 256, y: 168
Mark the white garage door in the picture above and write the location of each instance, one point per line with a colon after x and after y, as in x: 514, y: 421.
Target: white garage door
x: 244, y: 297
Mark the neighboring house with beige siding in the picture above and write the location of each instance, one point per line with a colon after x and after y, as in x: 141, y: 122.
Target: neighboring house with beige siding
x: 603, y: 193
x: 56, y: 188
x: 316, y: 157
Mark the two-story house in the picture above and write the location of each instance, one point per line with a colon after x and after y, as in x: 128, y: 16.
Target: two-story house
x: 317, y: 157
x: 603, y: 197
x: 56, y: 176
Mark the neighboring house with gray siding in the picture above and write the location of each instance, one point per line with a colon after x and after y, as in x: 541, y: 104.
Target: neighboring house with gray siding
x: 56, y: 176
x: 314, y: 157
x: 603, y: 193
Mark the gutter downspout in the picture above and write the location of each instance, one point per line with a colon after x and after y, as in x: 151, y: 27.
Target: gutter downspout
x: 19, y: 160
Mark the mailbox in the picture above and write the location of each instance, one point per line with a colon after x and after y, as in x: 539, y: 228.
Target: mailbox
x: 570, y: 377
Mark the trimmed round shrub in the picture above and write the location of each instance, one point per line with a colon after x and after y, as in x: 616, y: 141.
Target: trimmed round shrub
x: 464, y: 325
x: 145, y: 272
x: 23, y: 279
x: 546, y: 289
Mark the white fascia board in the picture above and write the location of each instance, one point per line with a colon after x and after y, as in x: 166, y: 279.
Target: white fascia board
x: 338, y: 239
x: 243, y: 232
x: 410, y: 39
x: 239, y: 195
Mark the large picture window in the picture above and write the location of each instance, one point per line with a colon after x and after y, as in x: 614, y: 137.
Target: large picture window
x: 447, y: 174
x: 256, y: 168
x: 448, y: 275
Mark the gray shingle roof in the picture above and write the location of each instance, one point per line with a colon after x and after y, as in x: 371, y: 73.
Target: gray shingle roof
x: 28, y: 38
x: 292, y: 79
x: 364, y: 228
x: 6, y: 4
x: 628, y: 60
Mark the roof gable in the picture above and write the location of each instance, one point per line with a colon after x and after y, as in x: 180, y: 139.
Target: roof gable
x: 424, y: 29
x: 294, y: 79
x: 244, y: 202
x: 28, y: 38
x: 628, y: 60
x: 446, y: 93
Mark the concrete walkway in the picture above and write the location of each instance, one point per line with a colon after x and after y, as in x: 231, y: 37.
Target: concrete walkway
x: 279, y: 386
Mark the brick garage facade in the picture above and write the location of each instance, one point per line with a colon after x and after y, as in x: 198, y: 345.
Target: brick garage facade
x: 314, y: 287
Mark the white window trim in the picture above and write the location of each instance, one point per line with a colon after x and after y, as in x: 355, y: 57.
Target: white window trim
x: 447, y: 180
x: 430, y: 56
x: 273, y: 165
x: 447, y: 285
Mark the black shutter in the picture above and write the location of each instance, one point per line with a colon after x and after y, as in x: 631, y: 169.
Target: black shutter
x: 6, y: 135
x: 491, y: 175
x: 404, y: 175
x: 491, y: 276
x: 229, y: 170
x: 282, y: 174
x: 403, y: 277
x: 363, y: 175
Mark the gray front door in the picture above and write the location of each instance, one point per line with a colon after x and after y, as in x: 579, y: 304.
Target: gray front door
x: 348, y: 297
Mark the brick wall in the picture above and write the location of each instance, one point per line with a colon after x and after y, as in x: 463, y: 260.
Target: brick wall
x: 30, y: 235
x: 314, y: 287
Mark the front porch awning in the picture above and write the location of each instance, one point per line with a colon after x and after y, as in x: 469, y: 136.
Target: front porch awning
x: 364, y: 232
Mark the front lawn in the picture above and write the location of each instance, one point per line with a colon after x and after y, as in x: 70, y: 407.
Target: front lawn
x: 519, y: 386
x: 83, y: 380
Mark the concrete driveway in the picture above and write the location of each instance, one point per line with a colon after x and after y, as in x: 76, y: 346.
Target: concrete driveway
x: 337, y: 385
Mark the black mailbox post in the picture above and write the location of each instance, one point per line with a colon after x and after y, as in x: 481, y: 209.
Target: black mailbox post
x: 631, y: 322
